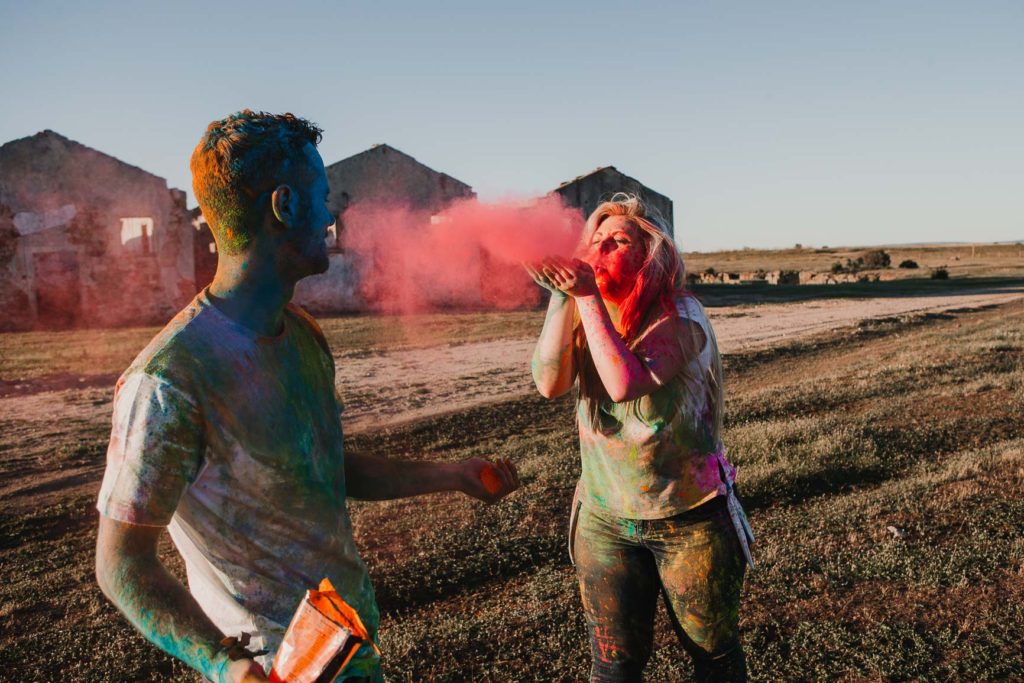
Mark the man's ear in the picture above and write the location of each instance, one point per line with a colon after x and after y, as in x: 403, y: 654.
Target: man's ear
x: 284, y: 203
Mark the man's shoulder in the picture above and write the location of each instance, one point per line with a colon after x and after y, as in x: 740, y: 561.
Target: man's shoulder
x: 180, y: 349
x: 310, y: 324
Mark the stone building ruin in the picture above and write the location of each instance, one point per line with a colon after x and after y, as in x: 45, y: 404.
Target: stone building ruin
x: 587, y: 191
x: 385, y: 177
x: 87, y: 239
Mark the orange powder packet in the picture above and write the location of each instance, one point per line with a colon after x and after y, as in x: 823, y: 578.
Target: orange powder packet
x: 322, y: 638
x: 490, y: 479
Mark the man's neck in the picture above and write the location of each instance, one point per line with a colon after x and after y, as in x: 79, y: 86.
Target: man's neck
x: 250, y: 293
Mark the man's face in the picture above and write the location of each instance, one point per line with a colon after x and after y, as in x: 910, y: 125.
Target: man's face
x: 308, y: 237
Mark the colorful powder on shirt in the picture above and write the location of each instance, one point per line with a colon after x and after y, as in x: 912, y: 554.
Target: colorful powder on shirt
x: 468, y: 256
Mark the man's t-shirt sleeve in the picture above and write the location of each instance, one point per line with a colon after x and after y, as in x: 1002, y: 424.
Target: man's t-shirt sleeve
x: 155, y: 451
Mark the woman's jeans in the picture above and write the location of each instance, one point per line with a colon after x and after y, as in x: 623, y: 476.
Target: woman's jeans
x: 693, y: 559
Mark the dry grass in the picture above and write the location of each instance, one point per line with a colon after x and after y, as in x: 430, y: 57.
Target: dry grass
x: 981, y: 260
x: 915, y: 427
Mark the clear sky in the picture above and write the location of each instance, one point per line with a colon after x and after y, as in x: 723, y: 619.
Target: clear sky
x: 767, y: 123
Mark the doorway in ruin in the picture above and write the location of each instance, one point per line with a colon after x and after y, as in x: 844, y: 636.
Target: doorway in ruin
x: 57, y: 285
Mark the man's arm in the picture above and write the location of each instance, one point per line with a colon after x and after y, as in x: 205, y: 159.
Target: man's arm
x: 371, y: 478
x: 159, y: 606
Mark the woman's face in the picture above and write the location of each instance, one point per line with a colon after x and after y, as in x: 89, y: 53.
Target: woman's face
x: 616, y: 252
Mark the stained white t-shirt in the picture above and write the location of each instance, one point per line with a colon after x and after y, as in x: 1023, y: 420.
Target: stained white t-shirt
x: 658, y: 455
x: 234, y: 441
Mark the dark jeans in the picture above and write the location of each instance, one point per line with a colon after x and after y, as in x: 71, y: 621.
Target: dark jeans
x: 693, y: 559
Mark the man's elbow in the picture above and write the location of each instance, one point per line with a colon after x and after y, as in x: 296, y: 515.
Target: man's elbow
x: 105, y: 576
x: 121, y: 554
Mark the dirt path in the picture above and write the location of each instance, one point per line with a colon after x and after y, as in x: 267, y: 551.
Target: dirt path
x: 400, y: 386
x: 412, y: 384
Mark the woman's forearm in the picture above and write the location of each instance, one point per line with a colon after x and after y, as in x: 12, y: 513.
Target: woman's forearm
x: 623, y: 375
x: 552, y: 364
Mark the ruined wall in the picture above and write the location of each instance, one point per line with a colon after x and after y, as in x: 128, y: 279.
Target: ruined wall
x: 95, y: 241
x: 385, y: 177
x: 204, y: 250
x: 587, y: 192
x: 336, y: 291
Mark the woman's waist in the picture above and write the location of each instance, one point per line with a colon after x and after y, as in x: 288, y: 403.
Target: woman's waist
x: 711, y: 505
x: 668, y: 455
x: 648, y: 497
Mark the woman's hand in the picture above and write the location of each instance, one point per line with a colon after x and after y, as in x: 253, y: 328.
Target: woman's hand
x: 543, y: 280
x: 573, y: 277
x: 489, y: 482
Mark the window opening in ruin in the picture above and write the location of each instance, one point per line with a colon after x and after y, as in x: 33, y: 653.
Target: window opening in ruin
x: 334, y: 243
x: 333, y: 236
x: 137, y: 234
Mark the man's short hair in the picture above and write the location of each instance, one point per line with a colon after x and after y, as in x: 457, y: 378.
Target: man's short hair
x: 238, y: 161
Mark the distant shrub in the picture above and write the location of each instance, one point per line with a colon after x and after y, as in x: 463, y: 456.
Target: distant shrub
x: 798, y: 246
x: 709, y: 271
x: 850, y: 266
x: 940, y: 274
x: 789, y: 277
x: 909, y: 263
x: 761, y: 274
x: 876, y: 258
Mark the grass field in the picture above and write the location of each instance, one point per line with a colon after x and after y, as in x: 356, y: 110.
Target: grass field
x: 960, y: 260
x: 883, y: 471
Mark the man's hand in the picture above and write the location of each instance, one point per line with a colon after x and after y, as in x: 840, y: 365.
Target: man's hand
x: 486, y: 481
x: 244, y: 671
x: 241, y: 666
x: 575, y: 278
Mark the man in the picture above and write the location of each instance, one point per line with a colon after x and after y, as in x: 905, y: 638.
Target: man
x: 226, y: 429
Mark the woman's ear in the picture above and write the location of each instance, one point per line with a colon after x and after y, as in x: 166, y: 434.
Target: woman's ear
x: 284, y: 203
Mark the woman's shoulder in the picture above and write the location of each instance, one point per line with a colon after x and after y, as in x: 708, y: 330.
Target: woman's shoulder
x: 688, y: 307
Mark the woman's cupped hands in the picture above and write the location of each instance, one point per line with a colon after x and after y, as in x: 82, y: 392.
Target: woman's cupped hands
x: 562, y: 276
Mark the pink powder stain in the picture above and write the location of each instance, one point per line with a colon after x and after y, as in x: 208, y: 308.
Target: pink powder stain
x: 469, y: 256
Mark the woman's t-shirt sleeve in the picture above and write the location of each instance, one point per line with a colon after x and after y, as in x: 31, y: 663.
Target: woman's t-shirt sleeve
x: 155, y: 451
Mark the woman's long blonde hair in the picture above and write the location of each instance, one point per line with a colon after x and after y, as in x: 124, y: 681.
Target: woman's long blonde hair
x: 660, y: 282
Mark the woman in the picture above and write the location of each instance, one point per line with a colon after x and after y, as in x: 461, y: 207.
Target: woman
x: 654, y: 510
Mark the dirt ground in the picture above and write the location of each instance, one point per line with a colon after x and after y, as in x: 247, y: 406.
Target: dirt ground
x: 881, y: 454
x: 413, y: 384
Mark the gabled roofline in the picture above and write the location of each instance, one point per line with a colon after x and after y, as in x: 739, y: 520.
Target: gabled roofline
x: 389, y: 148
x: 75, y: 144
x: 587, y: 175
x: 601, y: 169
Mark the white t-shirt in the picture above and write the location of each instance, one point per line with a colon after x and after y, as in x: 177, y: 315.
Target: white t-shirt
x: 234, y: 440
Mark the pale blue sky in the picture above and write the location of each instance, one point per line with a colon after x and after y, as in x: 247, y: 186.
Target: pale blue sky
x: 767, y: 123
